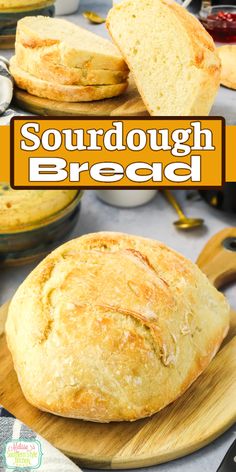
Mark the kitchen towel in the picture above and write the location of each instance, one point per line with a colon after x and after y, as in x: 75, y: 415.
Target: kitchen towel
x: 6, y: 85
x: 21, y: 449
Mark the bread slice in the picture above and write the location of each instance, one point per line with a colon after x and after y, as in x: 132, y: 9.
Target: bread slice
x: 173, y: 59
x: 73, y: 46
x: 227, y: 55
x: 65, y: 93
x: 32, y: 61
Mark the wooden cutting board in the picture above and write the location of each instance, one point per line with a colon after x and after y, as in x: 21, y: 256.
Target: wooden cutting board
x: 204, y: 412
x: 128, y: 104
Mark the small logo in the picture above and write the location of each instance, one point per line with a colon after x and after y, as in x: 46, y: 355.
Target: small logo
x: 23, y: 453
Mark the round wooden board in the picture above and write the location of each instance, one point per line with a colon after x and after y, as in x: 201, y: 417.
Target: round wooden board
x: 128, y: 104
x: 204, y: 412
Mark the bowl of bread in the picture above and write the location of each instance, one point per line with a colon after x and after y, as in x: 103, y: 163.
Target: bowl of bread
x: 33, y: 222
x: 11, y: 11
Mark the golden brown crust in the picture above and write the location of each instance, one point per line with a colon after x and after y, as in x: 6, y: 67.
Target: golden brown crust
x: 227, y: 55
x: 39, y: 66
x: 64, y: 93
x: 123, y: 324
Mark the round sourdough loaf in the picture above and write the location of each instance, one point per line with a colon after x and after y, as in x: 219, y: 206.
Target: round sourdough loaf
x: 112, y: 327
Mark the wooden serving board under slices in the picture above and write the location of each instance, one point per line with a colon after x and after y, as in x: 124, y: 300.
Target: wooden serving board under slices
x: 127, y: 104
x: 204, y: 412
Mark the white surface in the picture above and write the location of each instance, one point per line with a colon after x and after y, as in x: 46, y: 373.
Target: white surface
x: 152, y: 220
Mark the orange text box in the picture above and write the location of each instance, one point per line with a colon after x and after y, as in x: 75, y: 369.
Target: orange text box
x: 4, y: 153
x: 230, y: 158
x: 117, y: 153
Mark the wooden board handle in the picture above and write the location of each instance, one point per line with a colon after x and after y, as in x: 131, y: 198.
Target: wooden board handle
x: 218, y: 258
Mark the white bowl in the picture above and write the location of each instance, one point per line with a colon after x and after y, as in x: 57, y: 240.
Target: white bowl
x: 126, y: 198
x: 66, y: 7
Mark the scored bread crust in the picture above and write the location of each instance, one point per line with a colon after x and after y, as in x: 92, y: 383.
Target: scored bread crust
x: 113, y: 327
x: 65, y: 93
x: 227, y: 54
x: 199, y: 63
x: 73, y: 46
x: 32, y: 61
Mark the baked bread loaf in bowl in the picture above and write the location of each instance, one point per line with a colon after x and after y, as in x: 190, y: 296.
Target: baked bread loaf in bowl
x: 18, y: 4
x: 11, y: 11
x: 25, y: 209
x: 113, y: 327
x: 33, y: 222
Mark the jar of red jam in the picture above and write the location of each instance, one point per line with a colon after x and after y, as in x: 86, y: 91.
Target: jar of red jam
x: 220, y: 22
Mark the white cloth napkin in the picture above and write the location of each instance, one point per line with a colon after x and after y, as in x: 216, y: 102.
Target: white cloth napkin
x: 12, y: 431
x: 6, y: 85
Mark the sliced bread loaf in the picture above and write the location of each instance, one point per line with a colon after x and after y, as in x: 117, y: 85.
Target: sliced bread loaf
x: 31, y: 60
x: 65, y: 93
x: 173, y: 59
x: 73, y: 46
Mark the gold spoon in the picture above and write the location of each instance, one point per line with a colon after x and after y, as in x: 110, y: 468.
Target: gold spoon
x: 183, y: 222
x: 93, y: 17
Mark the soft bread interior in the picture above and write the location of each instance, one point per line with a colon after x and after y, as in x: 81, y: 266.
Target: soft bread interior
x: 173, y: 59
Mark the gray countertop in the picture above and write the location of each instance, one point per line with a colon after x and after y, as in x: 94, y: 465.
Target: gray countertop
x: 152, y: 220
